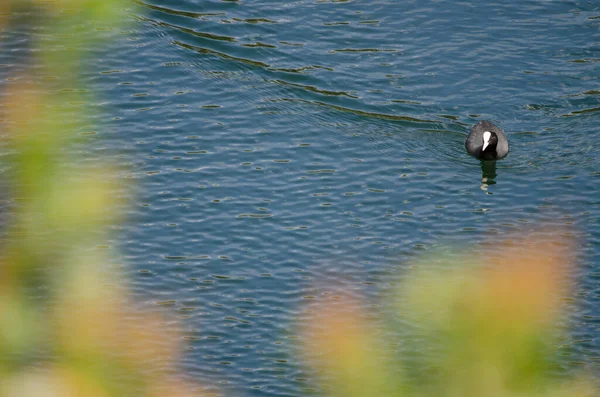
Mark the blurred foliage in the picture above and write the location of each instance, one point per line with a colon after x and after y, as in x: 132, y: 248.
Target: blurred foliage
x: 67, y: 324
x: 69, y: 328
x: 468, y: 330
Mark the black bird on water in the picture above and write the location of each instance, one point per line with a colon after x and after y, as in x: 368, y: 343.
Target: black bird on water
x: 486, y: 142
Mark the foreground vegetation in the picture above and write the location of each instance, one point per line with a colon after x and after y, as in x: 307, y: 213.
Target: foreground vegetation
x: 68, y: 326
x: 468, y: 329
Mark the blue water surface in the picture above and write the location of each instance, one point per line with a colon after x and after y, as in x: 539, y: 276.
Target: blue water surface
x: 282, y: 147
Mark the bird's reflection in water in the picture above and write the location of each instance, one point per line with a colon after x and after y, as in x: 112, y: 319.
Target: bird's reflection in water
x: 488, y: 174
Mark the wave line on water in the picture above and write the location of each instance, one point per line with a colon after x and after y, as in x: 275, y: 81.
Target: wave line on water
x: 314, y: 89
x: 171, y: 11
x: 203, y: 50
x: 582, y: 111
x: 383, y: 116
x: 192, y: 32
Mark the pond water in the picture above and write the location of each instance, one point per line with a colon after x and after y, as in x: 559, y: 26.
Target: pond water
x: 279, y: 146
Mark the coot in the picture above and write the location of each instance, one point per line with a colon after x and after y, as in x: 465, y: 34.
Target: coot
x: 486, y: 142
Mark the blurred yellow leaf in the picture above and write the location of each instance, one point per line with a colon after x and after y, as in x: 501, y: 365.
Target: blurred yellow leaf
x: 526, y: 283
x: 348, y: 350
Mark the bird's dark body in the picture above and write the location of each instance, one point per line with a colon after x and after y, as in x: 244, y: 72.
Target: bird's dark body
x: 498, y: 144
